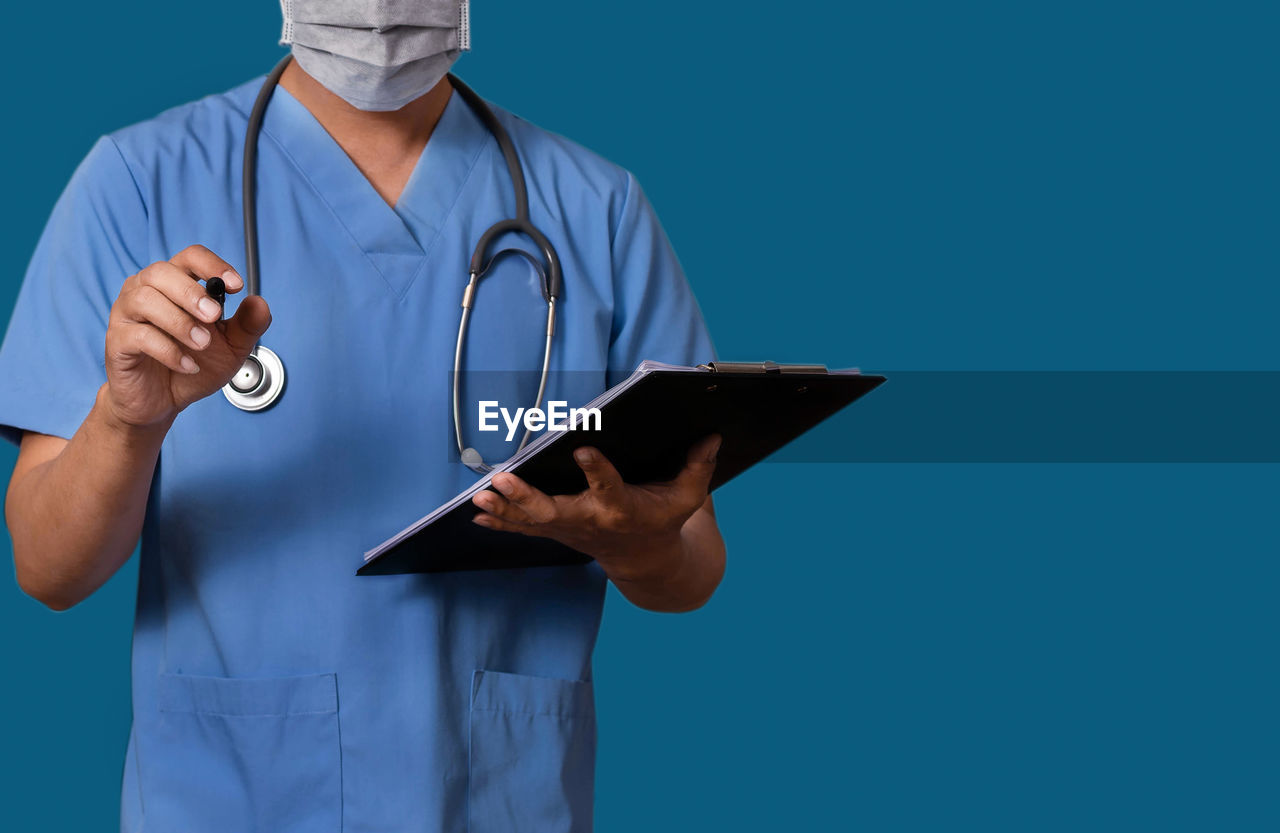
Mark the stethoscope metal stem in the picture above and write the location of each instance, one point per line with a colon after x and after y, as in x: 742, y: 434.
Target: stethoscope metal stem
x: 468, y: 300
x: 546, y: 366
x: 469, y: 456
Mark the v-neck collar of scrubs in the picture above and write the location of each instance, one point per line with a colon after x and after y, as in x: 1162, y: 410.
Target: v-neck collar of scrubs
x: 397, y: 241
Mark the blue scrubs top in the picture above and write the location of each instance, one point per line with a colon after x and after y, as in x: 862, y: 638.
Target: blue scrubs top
x: 273, y: 689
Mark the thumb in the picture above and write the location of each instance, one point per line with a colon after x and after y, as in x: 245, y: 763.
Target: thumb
x: 251, y: 320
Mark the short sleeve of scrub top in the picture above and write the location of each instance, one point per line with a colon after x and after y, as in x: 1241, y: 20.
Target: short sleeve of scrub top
x: 51, y: 360
x: 655, y: 314
x: 273, y: 689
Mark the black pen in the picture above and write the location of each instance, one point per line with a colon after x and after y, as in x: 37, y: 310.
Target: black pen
x: 217, y: 290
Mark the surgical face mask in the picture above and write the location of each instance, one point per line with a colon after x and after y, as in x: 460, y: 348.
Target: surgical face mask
x: 377, y: 54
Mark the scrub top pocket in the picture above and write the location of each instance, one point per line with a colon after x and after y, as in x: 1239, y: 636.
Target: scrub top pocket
x: 533, y: 749
x: 244, y: 755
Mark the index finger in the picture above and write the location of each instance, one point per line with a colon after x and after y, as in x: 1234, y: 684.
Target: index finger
x: 602, y: 478
x: 533, y: 502
x: 176, y: 285
x: 199, y: 262
x: 700, y: 464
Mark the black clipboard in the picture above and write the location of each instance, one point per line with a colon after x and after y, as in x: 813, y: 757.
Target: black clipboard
x: 648, y: 422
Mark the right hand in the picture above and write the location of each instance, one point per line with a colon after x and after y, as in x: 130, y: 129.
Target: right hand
x: 166, y: 348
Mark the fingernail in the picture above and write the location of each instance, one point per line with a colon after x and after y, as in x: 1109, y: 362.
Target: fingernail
x: 232, y: 278
x: 209, y: 308
x: 715, y: 449
x: 503, y: 485
x: 584, y: 456
x: 189, y: 365
x: 200, y: 336
x: 482, y: 520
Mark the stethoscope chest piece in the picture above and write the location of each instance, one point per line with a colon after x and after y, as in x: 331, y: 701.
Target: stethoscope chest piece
x: 258, y: 383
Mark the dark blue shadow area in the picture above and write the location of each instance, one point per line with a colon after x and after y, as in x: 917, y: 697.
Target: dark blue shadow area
x: 974, y: 647
x: 66, y: 699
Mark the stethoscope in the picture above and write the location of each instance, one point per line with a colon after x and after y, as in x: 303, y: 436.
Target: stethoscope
x: 259, y: 382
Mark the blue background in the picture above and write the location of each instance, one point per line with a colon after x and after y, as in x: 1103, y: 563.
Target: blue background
x: 915, y: 185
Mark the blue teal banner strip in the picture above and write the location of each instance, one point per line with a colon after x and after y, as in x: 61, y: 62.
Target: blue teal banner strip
x: 1054, y: 417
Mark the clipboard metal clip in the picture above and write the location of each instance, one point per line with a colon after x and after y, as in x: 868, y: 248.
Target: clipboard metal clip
x: 762, y: 367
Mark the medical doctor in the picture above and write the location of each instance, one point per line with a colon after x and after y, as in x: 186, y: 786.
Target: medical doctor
x: 273, y: 690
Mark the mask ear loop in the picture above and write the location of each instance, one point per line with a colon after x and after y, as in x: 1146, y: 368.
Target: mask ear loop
x: 470, y: 457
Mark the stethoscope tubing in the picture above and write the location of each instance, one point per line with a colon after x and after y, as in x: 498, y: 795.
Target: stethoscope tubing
x: 552, y: 278
x: 249, y: 181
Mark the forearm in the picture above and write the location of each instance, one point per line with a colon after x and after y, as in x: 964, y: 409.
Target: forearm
x: 75, y: 518
x: 681, y: 573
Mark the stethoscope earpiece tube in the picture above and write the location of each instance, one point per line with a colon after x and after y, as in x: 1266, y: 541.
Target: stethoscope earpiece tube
x: 521, y: 223
x: 551, y: 276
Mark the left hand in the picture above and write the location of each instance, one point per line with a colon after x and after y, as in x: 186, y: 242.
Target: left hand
x: 633, y: 531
